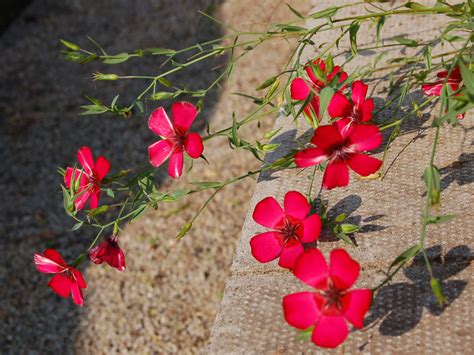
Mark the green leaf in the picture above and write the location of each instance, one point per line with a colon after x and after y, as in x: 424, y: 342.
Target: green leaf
x: 272, y: 133
x: 329, y: 64
x: 406, y: 41
x: 70, y: 45
x: 325, y: 97
x: 380, y: 23
x: 160, y: 51
x: 184, y: 230
x: 207, y: 184
x: 440, y: 219
x: 163, y: 95
x: 353, y: 29
x: 77, y: 226
x: 295, y: 12
x: 165, y: 82
x: 438, y: 292
x: 110, y: 193
x: 267, y: 83
x: 99, y: 210
x: 305, y: 335
x: 116, y: 59
x: 406, y: 255
x: 467, y: 77
x: 283, y: 27
x: 416, y: 6
x: 349, y: 228
x: 432, y: 180
x: 328, y: 12
x: 341, y: 217
x: 427, y: 57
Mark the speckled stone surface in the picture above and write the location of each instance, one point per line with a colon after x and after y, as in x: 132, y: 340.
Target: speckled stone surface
x: 405, y: 317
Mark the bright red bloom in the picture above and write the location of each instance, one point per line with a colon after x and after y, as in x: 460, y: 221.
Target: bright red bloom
x: 109, y: 251
x: 67, y: 280
x: 301, y: 88
x: 332, y: 303
x: 454, y: 81
x: 88, y: 178
x: 176, y: 137
x: 360, y: 110
x: 341, y: 144
x: 290, y: 228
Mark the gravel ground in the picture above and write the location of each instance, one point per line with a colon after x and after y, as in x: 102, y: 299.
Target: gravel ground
x: 166, y: 300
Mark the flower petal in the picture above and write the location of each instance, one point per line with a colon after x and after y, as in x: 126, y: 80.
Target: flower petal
x: 312, y: 228
x: 160, y: 124
x: 299, y: 89
x: 318, y: 62
x: 296, y: 205
x: 290, y: 253
x: 51, y: 264
x: 83, y: 196
x: 343, y: 269
x: 367, y: 109
x: 310, y: 157
x: 175, y: 165
x: 355, y: 305
x: 364, y: 137
x: 363, y: 164
x: 265, y: 246
x: 326, y: 137
x: 184, y: 114
x: 311, y: 268
x: 432, y: 89
x: 312, y: 109
x: 336, y: 175
x: 268, y: 212
x: 339, y: 106
x: 193, y: 145
x: 79, y: 278
x: 330, y: 331
x: 95, y: 196
x: 159, y: 151
x: 359, y: 91
x: 61, y: 284
x: 84, y: 157
x: 102, y: 167
x: 77, y: 294
x: 300, y: 309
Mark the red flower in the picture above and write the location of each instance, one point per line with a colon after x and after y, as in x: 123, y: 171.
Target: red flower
x: 175, y: 137
x: 341, y: 144
x: 290, y: 228
x: 301, y: 88
x: 360, y: 110
x: 67, y: 280
x: 89, y: 178
x: 110, y: 252
x: 332, y: 303
x: 454, y: 81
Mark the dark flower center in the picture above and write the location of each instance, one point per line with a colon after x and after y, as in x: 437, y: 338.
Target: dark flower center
x: 290, y: 229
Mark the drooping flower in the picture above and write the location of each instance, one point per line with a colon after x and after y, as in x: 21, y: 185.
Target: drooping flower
x: 67, y: 279
x: 454, y: 81
x: 332, y: 303
x: 109, y: 251
x: 290, y: 227
x: 360, y: 110
x: 301, y: 88
x: 176, y: 137
x: 88, y: 178
x: 342, y: 144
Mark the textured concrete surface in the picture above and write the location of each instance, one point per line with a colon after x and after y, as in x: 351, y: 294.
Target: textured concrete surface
x: 166, y: 300
x: 405, y: 317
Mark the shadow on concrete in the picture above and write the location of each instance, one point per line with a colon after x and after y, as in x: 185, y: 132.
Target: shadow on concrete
x: 398, y: 307
x: 41, y: 129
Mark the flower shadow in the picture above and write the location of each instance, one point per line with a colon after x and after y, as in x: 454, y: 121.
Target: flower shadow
x: 399, y: 307
x: 459, y: 171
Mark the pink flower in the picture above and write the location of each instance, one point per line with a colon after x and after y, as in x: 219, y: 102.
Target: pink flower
x: 454, y: 81
x: 332, y: 303
x: 341, y: 145
x: 301, y: 88
x: 360, y: 110
x: 175, y: 137
x: 88, y: 178
x: 110, y: 252
x: 290, y: 228
x: 67, y: 280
